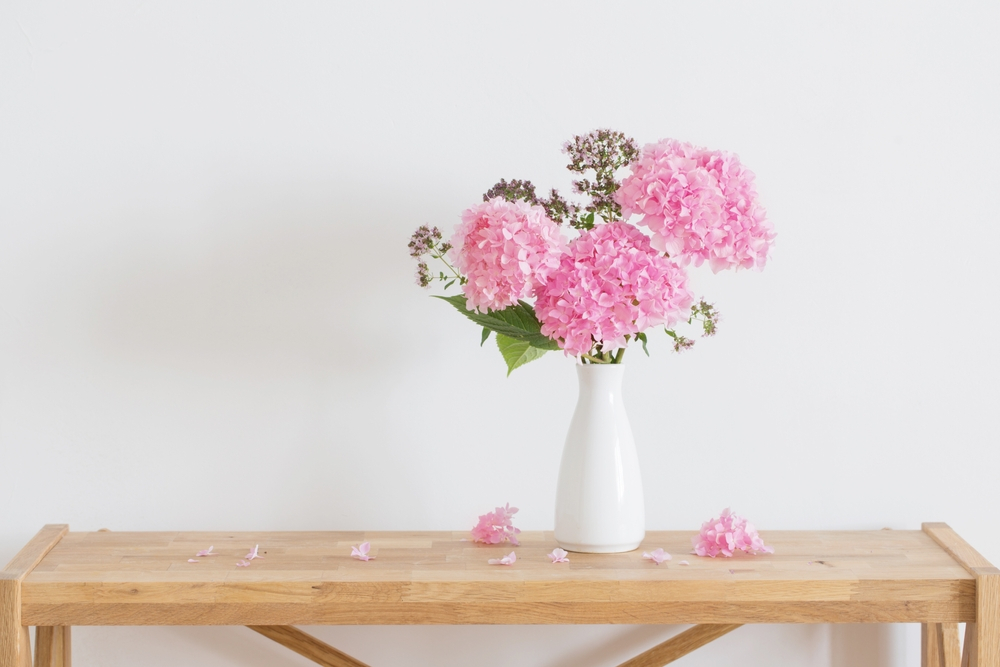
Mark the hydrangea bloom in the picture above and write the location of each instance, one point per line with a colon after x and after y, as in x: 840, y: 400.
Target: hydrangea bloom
x: 726, y: 535
x: 496, y: 527
x: 610, y: 284
x: 701, y: 205
x: 506, y: 250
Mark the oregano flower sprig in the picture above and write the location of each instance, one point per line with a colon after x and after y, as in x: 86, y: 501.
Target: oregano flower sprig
x: 600, y: 291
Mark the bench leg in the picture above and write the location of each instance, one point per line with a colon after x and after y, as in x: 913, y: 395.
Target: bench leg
x: 52, y: 646
x: 939, y: 645
x: 987, y: 626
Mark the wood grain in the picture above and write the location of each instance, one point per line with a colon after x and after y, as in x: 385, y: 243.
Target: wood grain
x: 951, y: 649
x: 35, y: 550
x: 987, y: 616
x: 969, y: 658
x: 52, y: 646
x: 679, y: 646
x: 930, y: 645
x: 118, y: 578
x: 955, y: 546
x: 306, y: 645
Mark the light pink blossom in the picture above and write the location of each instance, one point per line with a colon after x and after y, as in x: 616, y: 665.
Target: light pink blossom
x: 192, y: 560
x: 496, y: 527
x: 506, y: 250
x: 243, y: 563
x: 609, y: 285
x: 657, y: 556
x: 361, y: 551
x: 509, y: 559
x: 726, y: 535
x: 205, y: 552
x: 684, y: 562
x: 253, y: 553
x: 558, y: 556
x: 701, y: 205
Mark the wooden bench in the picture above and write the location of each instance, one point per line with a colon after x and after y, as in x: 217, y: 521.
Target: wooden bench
x: 61, y: 579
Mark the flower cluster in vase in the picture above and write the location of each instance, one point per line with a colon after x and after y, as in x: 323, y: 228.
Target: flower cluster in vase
x: 625, y: 269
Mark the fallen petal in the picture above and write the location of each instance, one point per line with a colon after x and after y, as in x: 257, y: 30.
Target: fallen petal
x: 192, y: 560
x: 684, y: 562
x: 205, y: 552
x: 243, y: 563
x: 558, y: 556
x: 253, y: 554
x: 509, y: 559
x: 657, y: 556
x: 361, y: 551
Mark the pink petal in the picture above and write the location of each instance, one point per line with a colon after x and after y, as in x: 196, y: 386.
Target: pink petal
x: 192, y: 560
x: 361, y: 551
x: 243, y: 563
x: 558, y: 556
x: 684, y: 562
x: 253, y: 554
x: 657, y: 556
x: 509, y: 559
x: 205, y: 552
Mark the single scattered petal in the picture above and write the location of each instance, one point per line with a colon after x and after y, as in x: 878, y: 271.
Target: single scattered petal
x: 192, y: 560
x: 243, y: 563
x: 684, y: 562
x: 657, y: 556
x: 506, y: 560
x: 205, y: 552
x: 253, y: 554
x: 558, y: 556
x: 361, y: 551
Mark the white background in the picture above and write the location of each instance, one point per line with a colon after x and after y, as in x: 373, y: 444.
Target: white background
x: 208, y: 318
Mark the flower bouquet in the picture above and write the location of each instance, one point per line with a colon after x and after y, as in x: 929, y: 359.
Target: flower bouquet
x: 624, y: 272
x: 591, y: 296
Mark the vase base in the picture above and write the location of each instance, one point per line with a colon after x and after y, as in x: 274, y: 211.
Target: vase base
x: 599, y: 548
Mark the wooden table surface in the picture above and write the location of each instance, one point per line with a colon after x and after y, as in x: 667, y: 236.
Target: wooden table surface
x: 121, y: 578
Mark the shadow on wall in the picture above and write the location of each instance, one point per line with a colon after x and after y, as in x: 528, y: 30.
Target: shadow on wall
x: 864, y: 645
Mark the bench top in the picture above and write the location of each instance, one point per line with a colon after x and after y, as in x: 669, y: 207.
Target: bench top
x: 144, y: 578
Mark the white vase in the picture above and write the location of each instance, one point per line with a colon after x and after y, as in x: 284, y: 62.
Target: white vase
x: 599, y: 502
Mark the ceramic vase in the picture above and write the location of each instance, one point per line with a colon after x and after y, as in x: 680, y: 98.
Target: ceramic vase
x: 599, y: 501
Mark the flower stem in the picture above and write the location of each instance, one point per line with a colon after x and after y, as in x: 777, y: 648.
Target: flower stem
x: 594, y: 360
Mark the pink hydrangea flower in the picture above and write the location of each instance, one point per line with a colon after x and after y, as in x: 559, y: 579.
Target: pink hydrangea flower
x: 726, y: 535
x: 610, y: 284
x: 496, y: 527
x: 361, y: 552
x: 701, y: 205
x: 506, y: 250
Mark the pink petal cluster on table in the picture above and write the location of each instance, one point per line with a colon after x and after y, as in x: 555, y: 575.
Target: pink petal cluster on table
x: 496, y: 527
x: 509, y: 559
x: 726, y: 535
x: 201, y: 554
x: 701, y: 205
x: 558, y: 556
x: 658, y: 556
x: 611, y: 284
x: 360, y: 552
x: 506, y: 250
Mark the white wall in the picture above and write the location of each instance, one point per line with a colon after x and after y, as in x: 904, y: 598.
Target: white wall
x: 208, y: 321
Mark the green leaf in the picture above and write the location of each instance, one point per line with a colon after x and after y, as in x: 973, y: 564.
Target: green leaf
x: 516, y: 352
x: 642, y: 338
x: 486, y: 334
x: 517, y: 321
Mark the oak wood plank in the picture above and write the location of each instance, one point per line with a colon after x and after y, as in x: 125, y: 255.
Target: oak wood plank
x: 951, y: 649
x: 987, y: 616
x: 969, y: 657
x: 958, y: 548
x: 679, y: 646
x: 306, y: 645
x: 35, y: 550
x: 930, y: 645
x: 52, y: 646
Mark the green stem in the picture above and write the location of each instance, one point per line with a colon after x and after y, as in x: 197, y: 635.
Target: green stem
x: 618, y: 357
x: 593, y: 360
